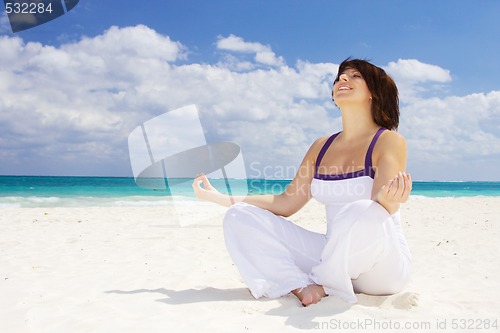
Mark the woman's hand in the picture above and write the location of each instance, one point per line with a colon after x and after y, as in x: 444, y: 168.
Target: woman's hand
x: 395, y: 192
x: 208, y: 192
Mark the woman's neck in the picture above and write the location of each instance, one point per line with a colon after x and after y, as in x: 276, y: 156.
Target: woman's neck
x: 357, y: 124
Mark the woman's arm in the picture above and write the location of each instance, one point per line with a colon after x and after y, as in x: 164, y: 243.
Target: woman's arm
x: 392, y: 185
x: 295, y: 196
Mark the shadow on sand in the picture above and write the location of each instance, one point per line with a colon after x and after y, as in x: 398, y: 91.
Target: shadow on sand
x: 290, y: 308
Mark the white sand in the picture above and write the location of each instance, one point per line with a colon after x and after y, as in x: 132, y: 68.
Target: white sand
x: 132, y: 269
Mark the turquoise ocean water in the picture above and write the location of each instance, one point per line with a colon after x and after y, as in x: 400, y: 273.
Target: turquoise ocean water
x: 41, y: 191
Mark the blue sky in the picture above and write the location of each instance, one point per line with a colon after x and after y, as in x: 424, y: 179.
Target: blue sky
x: 72, y: 89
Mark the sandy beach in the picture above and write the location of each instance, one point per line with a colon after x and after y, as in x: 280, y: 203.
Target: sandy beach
x: 135, y: 269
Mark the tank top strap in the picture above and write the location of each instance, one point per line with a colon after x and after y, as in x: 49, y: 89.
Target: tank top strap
x: 323, y: 150
x: 368, y: 158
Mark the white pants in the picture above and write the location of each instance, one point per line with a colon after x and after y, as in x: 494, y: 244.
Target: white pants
x: 364, y: 250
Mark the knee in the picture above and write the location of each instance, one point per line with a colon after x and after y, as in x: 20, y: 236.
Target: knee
x: 392, y: 289
x: 243, y: 218
x: 388, y: 284
x: 231, y: 216
x: 242, y: 223
x: 235, y: 216
x: 378, y: 288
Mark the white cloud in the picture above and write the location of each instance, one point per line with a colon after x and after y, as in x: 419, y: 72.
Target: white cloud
x: 70, y: 109
x: 263, y: 53
x: 77, y: 103
x: 235, y: 43
x: 234, y: 63
x: 136, y: 42
x: 78, y: 95
x: 415, y: 78
x: 414, y: 70
x: 448, y: 137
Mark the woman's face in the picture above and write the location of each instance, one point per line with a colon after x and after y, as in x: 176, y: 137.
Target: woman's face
x: 351, y: 88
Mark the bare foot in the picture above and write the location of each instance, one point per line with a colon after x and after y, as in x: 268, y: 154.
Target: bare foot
x: 311, y: 294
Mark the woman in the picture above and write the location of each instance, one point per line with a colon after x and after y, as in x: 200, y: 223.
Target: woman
x: 359, y: 174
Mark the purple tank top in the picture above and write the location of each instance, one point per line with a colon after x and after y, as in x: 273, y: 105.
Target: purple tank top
x: 367, y: 171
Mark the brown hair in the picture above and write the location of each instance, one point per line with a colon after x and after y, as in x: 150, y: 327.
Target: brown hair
x: 385, y: 100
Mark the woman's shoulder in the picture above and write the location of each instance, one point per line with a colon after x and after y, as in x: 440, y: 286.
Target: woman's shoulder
x: 316, y: 146
x: 321, y: 140
x: 392, y: 139
x: 390, y: 142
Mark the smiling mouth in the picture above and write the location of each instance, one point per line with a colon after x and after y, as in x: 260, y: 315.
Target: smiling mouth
x: 344, y: 88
